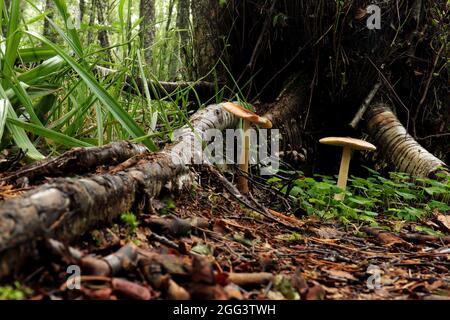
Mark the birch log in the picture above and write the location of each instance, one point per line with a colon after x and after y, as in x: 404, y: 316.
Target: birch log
x: 69, y: 207
x: 400, y: 148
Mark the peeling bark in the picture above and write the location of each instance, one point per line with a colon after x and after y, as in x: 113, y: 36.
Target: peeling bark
x: 69, y: 207
x: 400, y: 148
x: 77, y: 160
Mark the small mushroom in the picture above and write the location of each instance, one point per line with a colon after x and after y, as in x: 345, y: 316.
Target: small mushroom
x: 348, y: 144
x: 248, y: 118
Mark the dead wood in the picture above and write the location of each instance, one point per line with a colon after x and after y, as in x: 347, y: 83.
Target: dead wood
x: 77, y: 160
x: 250, y: 279
x: 199, y: 90
x: 398, y: 147
x: 69, y: 207
x: 426, y: 238
x: 386, y: 238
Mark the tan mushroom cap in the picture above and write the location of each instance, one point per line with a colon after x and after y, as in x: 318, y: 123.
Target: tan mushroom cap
x: 353, y: 143
x: 245, y: 114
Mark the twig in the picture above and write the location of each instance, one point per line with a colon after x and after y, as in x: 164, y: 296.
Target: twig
x: 439, y: 135
x: 238, y: 196
x: 163, y: 240
x: 365, y: 105
x: 425, y: 93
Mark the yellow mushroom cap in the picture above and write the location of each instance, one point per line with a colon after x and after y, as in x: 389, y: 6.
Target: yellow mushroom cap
x: 353, y: 143
x: 245, y: 114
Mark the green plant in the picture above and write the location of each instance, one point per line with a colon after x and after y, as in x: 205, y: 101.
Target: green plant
x: 130, y: 220
x: 15, y: 292
x: 399, y: 196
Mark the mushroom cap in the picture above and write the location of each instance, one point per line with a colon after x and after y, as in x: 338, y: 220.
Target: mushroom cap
x: 245, y: 114
x: 353, y: 143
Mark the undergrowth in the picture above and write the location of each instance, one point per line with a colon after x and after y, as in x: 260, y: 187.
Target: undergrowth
x: 399, y: 197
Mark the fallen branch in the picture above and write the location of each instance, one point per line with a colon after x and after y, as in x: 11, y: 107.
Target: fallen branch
x: 426, y: 238
x: 77, y: 160
x: 69, y: 207
x: 199, y: 90
x: 358, y: 116
x: 250, y: 279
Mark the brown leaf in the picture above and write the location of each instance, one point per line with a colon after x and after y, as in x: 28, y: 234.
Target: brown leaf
x: 360, y: 13
x: 100, y: 294
x: 202, y: 271
x: 316, y: 293
x: 386, y: 238
x: 130, y: 289
x: 329, y: 233
x: 444, y: 221
x: 207, y: 292
x: 340, y: 275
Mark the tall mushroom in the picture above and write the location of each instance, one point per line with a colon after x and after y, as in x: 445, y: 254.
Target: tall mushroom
x: 248, y: 117
x: 348, y: 144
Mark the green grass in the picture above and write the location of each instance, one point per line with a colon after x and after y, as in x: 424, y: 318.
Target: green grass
x: 50, y: 98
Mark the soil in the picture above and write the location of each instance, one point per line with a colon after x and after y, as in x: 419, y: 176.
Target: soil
x: 320, y: 260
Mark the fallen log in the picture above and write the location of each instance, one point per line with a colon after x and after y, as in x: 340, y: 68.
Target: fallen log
x: 398, y: 147
x: 200, y: 90
x: 69, y: 207
x: 77, y: 160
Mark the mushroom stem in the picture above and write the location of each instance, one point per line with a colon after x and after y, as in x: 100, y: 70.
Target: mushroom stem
x: 244, y: 158
x: 343, y: 172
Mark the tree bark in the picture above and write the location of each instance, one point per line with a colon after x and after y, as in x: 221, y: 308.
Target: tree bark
x: 201, y: 90
x: 103, y: 33
x: 147, y: 14
x: 77, y: 160
x: 208, y: 38
x: 398, y: 147
x: 91, y: 21
x: 48, y: 30
x: 82, y: 8
x: 69, y: 207
x: 184, y: 49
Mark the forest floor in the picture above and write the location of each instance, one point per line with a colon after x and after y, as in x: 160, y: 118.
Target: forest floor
x: 203, y: 239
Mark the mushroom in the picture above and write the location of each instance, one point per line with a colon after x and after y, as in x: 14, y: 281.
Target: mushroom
x: 248, y: 118
x: 349, y: 144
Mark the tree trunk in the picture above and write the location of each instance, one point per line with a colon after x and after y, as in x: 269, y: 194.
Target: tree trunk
x: 49, y: 33
x: 166, y: 58
x: 147, y: 26
x: 208, y: 38
x: 103, y: 33
x: 398, y: 146
x: 184, y: 47
x: 90, y: 36
x: 82, y: 8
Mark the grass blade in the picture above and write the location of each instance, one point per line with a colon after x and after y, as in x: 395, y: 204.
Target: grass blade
x: 111, y: 104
